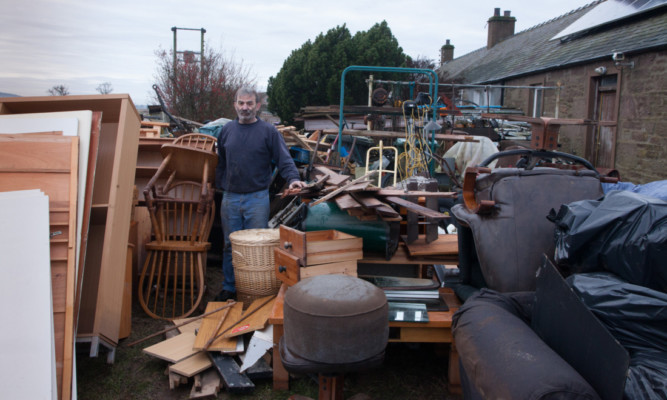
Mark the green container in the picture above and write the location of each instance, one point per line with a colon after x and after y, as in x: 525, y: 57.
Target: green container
x: 379, y: 237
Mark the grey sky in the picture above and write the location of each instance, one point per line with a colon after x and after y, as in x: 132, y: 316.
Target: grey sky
x: 81, y: 44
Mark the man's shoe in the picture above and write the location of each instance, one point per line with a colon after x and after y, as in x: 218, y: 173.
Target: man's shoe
x: 225, y: 295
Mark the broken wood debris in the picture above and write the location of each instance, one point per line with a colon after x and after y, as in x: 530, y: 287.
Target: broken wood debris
x: 209, y: 354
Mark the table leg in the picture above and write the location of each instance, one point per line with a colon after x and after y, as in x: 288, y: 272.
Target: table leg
x: 453, y: 372
x: 280, y: 374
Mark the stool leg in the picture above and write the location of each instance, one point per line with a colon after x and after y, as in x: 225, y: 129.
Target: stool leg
x: 331, y: 387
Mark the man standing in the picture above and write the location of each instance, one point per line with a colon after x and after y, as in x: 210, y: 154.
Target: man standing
x: 247, y: 147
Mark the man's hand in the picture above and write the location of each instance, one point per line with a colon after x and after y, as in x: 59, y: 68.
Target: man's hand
x: 297, y: 184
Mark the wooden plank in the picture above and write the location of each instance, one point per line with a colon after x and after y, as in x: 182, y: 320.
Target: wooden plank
x: 416, y: 208
x: 445, y: 244
x: 462, y: 137
x: 346, y: 201
x: 210, y: 385
x: 208, y: 329
x: 343, y: 267
x: 254, y: 318
x: 191, y: 366
x: 334, y: 256
x: 358, y: 187
x: 368, y: 200
x: 93, y: 147
x: 418, y: 193
x: 342, y: 188
x: 340, y: 242
x: 192, y: 326
x: 386, y: 210
x: 235, y: 382
x: 335, y: 178
x: 175, y: 349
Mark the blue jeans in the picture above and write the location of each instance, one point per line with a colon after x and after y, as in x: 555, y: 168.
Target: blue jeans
x: 240, y: 211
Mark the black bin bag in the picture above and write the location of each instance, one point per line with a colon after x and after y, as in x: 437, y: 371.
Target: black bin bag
x: 624, y: 233
x: 637, y: 317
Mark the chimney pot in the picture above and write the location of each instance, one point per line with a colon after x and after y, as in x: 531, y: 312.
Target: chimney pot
x: 500, y: 28
x: 446, y: 52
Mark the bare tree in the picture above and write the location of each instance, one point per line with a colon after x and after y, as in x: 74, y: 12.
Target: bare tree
x: 104, y: 88
x: 201, y: 91
x: 59, y: 90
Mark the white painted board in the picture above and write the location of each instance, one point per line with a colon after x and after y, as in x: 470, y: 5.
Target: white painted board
x: 27, y: 360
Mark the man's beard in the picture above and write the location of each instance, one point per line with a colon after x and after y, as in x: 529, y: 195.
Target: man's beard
x: 246, y: 115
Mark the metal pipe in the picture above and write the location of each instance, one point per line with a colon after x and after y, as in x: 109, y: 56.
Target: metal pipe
x: 455, y: 85
x: 432, y: 89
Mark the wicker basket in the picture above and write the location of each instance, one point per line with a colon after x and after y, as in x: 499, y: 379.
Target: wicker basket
x: 254, y: 265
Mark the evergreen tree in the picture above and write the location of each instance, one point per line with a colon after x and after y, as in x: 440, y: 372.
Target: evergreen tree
x: 311, y: 75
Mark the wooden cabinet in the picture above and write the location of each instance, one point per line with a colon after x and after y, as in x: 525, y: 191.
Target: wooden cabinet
x: 104, y: 258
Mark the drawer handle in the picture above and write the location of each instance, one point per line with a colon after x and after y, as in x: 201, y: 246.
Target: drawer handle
x: 287, y: 245
x: 282, y: 268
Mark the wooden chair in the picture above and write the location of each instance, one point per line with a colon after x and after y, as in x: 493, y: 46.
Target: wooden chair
x: 171, y: 284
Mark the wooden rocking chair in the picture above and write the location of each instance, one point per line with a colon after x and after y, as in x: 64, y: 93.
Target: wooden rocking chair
x: 171, y: 284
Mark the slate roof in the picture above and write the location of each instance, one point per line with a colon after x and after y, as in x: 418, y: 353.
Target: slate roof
x: 531, y: 51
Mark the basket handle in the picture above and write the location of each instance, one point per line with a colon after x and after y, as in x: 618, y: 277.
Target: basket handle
x: 239, y: 254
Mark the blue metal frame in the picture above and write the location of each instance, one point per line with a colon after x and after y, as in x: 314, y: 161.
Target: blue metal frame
x: 432, y: 88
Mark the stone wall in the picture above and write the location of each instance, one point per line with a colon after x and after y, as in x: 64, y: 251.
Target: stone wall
x: 641, y: 137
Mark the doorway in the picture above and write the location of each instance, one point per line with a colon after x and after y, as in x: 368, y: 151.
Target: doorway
x: 601, y: 143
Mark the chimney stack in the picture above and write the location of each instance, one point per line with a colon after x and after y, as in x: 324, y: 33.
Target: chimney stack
x: 500, y: 27
x: 446, y: 52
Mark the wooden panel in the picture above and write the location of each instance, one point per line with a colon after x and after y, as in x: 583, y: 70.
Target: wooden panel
x: 422, y: 335
x: 209, y: 324
x: 193, y: 326
x: 445, y: 244
x: 334, y: 256
x: 61, y: 186
x: 126, y: 319
x: 295, y: 238
x: 287, y: 266
x: 176, y: 349
x: 254, y: 318
x: 343, y: 267
x: 191, y: 366
x: 337, y: 241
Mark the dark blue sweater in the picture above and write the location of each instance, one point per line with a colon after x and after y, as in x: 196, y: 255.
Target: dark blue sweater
x: 245, y: 154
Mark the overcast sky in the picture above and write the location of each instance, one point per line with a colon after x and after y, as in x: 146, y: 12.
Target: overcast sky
x: 81, y: 44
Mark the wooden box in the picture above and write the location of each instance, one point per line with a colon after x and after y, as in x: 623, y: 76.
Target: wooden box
x: 305, y: 254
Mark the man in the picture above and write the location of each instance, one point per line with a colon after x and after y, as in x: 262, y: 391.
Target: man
x: 247, y: 147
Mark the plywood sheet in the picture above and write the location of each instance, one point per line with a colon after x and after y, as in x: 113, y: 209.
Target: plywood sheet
x: 28, y: 363
x: 175, y: 349
x: 192, y: 365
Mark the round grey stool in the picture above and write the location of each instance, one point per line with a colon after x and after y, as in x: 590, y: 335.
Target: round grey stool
x: 333, y: 324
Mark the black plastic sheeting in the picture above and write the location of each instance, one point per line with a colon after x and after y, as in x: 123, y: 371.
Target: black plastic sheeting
x: 624, y: 233
x: 637, y: 317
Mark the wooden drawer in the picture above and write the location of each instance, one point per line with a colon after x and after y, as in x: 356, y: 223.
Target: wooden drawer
x: 304, y: 254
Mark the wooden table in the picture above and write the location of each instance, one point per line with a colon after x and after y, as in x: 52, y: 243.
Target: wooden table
x: 437, y: 330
